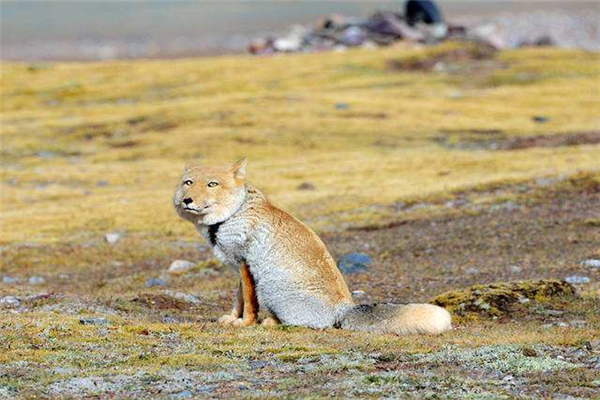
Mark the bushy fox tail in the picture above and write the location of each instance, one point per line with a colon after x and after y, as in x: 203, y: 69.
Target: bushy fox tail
x: 397, y: 319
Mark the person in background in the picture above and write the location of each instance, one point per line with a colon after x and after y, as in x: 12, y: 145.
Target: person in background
x: 426, y: 12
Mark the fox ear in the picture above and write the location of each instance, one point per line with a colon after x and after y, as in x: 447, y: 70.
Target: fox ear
x: 187, y: 168
x: 239, y: 168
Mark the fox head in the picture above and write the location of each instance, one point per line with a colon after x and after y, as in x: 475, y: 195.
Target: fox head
x: 209, y: 195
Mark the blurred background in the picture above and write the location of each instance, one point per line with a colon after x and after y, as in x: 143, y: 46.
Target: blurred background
x: 92, y: 30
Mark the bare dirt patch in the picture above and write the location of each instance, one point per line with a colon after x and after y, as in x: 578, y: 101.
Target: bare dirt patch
x: 573, y: 139
x: 467, y: 53
x: 493, y: 139
x: 540, y: 235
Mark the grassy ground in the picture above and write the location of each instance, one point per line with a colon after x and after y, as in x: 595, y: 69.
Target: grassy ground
x: 448, y: 166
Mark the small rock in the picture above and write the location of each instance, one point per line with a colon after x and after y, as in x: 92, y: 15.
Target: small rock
x: 258, y: 364
x: 46, y: 154
x: 93, y: 321
x: 577, y: 280
x: 10, y: 301
x: 112, y: 238
x: 206, y: 389
x: 341, y: 106
x: 472, y: 271
x: 592, y: 263
x: 562, y: 324
x: 455, y: 94
x: 36, y: 280
x: 544, y: 182
x: 507, y: 205
x: 209, y: 272
x: 10, y: 280
x: 155, y: 282
x: 185, y: 394
x: 578, y: 323
x: 358, y: 293
x: 515, y: 269
x: 102, y: 183
x: 306, y: 186
x: 178, y: 266
x: 540, y: 119
x: 187, y: 298
x: 455, y: 203
x: 39, y: 296
x: 508, y: 378
x: 529, y: 352
x: 353, y: 263
x: 117, y: 264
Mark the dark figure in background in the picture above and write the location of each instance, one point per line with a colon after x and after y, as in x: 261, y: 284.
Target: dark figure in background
x: 422, y: 11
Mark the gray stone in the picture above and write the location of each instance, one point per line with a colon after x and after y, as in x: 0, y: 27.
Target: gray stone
x: 341, y: 106
x: 181, y: 266
x: 209, y: 272
x: 515, y: 268
x: 93, y: 321
x: 578, y: 323
x: 155, y: 282
x: 46, y: 154
x: 187, y: 298
x: 592, y: 263
x: 185, y: 394
x: 38, y: 296
x: 358, y: 293
x: 112, y: 238
x: 10, y: 301
x: 36, y: 280
x: 10, y: 280
x: 577, y: 280
x: 257, y: 364
x: 353, y: 263
x: 455, y: 94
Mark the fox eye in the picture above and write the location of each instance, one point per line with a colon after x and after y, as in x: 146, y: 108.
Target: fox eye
x: 188, y: 182
x: 212, y: 184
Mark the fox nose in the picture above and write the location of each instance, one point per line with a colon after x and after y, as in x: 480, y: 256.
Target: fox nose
x: 187, y: 200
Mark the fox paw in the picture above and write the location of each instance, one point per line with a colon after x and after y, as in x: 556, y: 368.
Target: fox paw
x: 243, y: 322
x: 269, y: 321
x: 228, y: 320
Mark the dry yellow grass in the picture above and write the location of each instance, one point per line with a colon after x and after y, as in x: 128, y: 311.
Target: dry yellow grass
x: 134, y: 125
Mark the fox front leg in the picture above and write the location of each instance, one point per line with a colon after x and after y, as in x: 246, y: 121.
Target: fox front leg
x: 249, y: 298
x: 237, y: 311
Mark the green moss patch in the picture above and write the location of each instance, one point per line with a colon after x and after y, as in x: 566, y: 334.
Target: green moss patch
x: 498, y: 299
